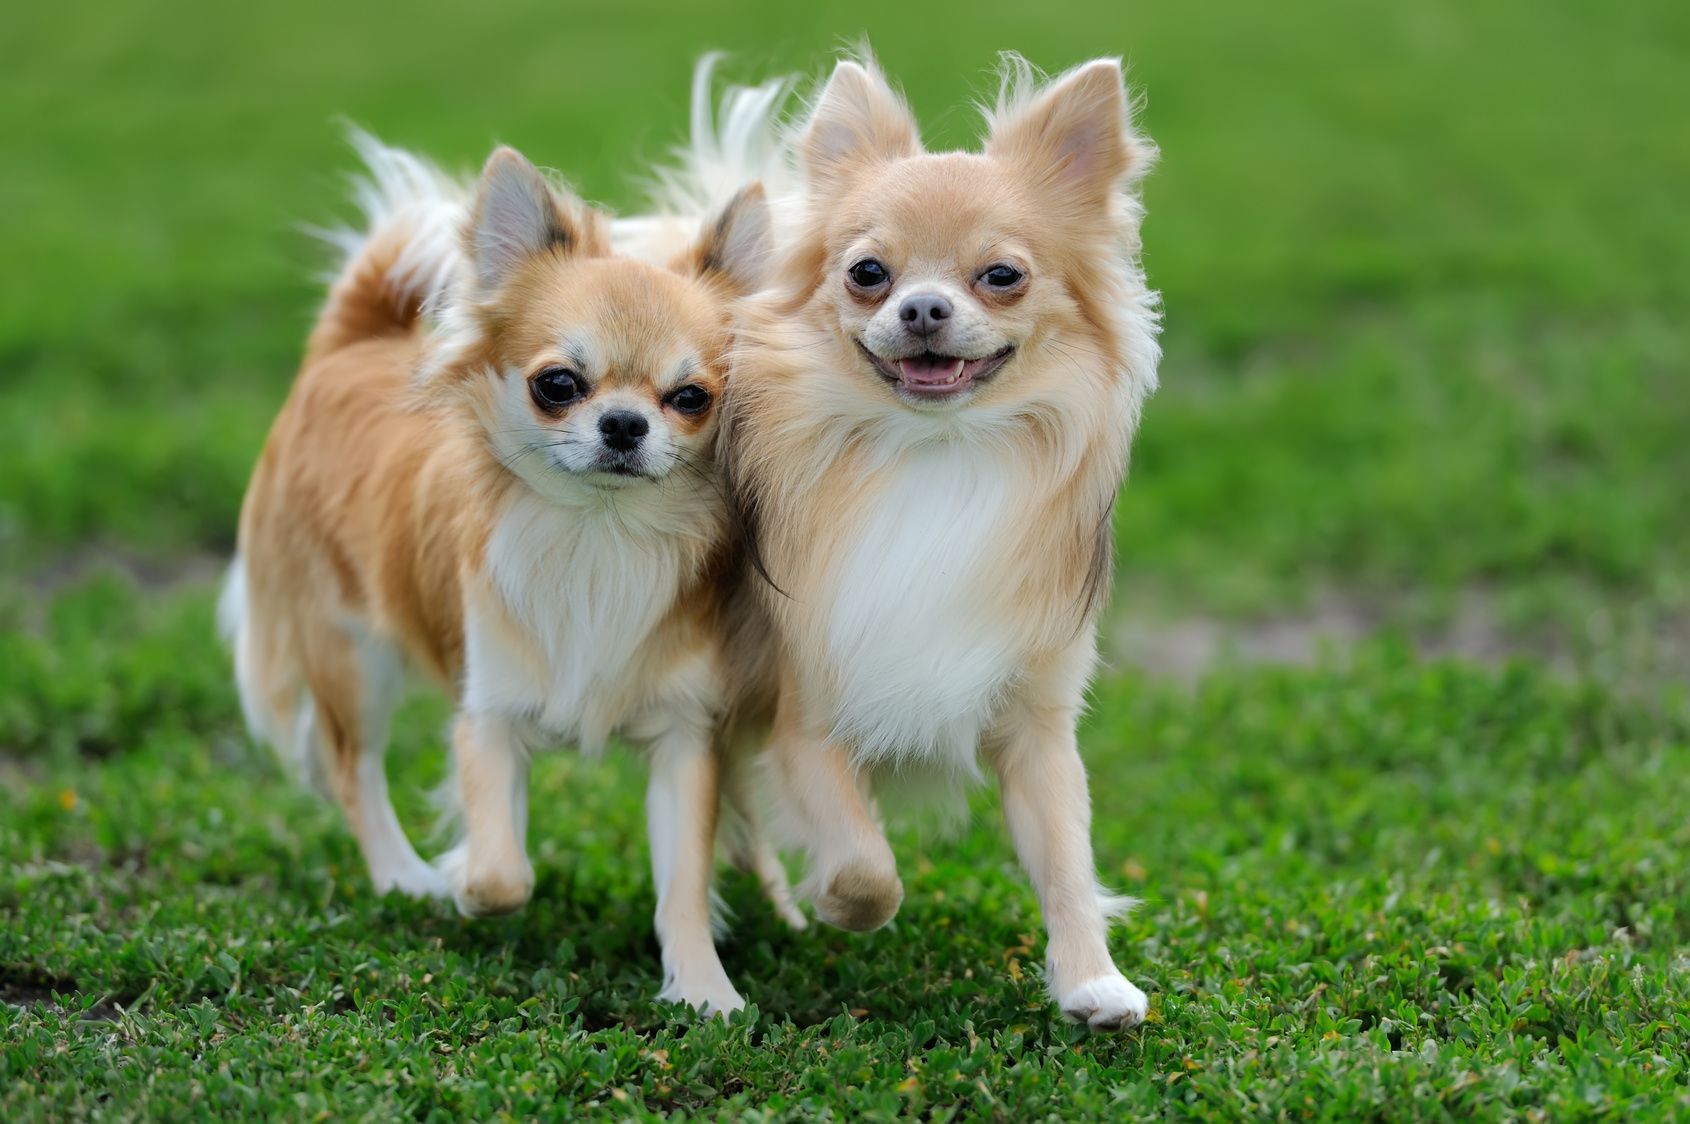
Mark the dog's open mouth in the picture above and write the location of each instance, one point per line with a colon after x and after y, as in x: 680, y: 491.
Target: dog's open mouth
x: 929, y: 375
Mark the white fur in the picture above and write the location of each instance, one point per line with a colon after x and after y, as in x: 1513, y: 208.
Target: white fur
x: 679, y: 806
x: 401, y: 189
x: 1108, y: 1002
x: 589, y: 581
x: 232, y: 627
x: 292, y: 735
x: 738, y: 144
x: 921, y: 662
x: 394, y: 863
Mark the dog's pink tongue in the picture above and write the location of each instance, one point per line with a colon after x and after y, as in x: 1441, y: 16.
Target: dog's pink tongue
x: 929, y: 369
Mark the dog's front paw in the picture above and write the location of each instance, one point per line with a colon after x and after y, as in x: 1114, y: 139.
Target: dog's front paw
x: 480, y: 890
x: 709, y: 996
x: 1107, y: 1002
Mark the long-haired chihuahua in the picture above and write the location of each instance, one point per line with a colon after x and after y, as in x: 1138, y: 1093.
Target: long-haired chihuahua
x: 933, y: 403
x: 496, y: 468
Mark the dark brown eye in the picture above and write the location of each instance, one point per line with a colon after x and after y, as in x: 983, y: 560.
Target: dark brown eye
x: 1002, y: 276
x: 556, y: 387
x: 868, y: 274
x: 690, y: 399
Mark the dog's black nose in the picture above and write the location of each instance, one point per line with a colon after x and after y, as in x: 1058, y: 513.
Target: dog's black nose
x: 623, y: 429
x: 924, y: 313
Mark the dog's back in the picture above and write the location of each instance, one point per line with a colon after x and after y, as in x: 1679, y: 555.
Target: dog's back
x: 352, y: 405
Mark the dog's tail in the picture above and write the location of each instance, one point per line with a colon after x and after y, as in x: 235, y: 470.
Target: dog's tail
x: 268, y: 678
x: 734, y: 141
x: 401, y: 263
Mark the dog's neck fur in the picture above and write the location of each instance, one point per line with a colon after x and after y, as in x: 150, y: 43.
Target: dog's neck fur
x: 925, y: 562
x: 575, y: 599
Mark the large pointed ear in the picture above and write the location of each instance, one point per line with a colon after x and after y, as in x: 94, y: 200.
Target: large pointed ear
x: 517, y: 215
x: 857, y: 121
x: 1073, y: 137
x: 735, y: 245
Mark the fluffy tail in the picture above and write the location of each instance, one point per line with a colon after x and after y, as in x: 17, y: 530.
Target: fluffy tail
x: 731, y: 143
x: 274, y: 701
x: 407, y: 255
x: 393, y: 271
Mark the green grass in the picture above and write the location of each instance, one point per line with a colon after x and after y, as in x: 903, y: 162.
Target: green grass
x: 1388, y: 885
x: 1425, y: 270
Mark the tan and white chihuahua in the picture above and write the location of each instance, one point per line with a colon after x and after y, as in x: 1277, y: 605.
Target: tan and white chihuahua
x: 520, y: 503
x: 933, y: 402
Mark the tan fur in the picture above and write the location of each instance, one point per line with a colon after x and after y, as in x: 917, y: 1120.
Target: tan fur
x: 819, y: 441
x: 372, y: 519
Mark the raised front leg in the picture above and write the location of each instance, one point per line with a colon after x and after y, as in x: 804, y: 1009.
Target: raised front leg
x: 853, y: 878
x: 1049, y: 813
x: 681, y: 820
x: 488, y: 870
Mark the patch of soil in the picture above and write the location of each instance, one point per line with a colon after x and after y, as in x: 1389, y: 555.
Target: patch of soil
x: 27, y: 988
x: 160, y: 572
x: 1639, y: 646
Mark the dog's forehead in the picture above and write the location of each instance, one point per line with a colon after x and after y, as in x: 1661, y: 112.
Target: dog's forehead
x: 940, y: 206
x: 620, y: 316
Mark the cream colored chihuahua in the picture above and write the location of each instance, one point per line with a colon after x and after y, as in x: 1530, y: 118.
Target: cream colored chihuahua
x: 932, y: 405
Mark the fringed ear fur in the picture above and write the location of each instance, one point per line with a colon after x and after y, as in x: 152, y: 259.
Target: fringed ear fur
x: 517, y: 216
x: 1072, y: 138
x: 735, y: 246
x: 857, y: 121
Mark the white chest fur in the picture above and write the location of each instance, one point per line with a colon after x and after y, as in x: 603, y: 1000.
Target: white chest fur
x: 921, y: 647
x: 582, y: 590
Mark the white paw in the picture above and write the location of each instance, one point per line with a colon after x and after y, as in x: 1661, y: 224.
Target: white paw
x: 1106, y: 1003
x: 414, y: 880
x: 708, y: 996
x: 789, y: 912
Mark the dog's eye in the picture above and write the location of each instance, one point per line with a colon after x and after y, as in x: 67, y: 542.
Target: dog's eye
x: 690, y: 399
x: 556, y: 387
x: 868, y: 274
x: 1002, y: 276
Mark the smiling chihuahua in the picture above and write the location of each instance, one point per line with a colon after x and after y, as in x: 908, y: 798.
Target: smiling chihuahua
x: 520, y: 504
x: 933, y: 402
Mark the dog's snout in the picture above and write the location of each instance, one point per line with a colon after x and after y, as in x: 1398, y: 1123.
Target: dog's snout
x: 623, y: 429
x: 924, y: 313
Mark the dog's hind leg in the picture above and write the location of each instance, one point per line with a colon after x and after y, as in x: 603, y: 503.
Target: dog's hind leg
x: 749, y: 848
x: 822, y: 804
x: 354, y: 682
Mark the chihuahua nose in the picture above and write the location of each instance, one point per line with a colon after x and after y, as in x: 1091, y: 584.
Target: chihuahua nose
x: 924, y: 313
x: 623, y: 429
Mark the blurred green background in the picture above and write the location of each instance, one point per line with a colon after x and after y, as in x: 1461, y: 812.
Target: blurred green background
x: 1425, y: 266
x: 1424, y: 412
